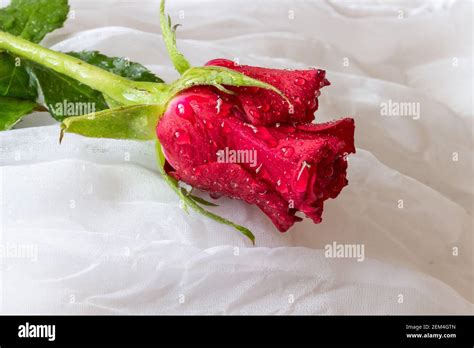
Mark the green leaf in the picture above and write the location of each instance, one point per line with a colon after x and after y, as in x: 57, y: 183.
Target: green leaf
x: 188, y: 200
x: 33, y: 19
x: 12, y: 110
x: 169, y: 36
x: 137, y: 122
x: 119, y: 66
x: 15, y: 81
x: 66, y: 97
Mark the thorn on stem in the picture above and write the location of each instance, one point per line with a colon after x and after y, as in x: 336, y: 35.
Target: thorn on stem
x: 61, y: 135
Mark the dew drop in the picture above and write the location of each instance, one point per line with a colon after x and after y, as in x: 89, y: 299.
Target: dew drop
x: 218, y: 105
x: 300, y: 82
x: 225, y: 128
x: 283, y: 189
x: 185, y: 111
x: 182, y: 138
x: 209, y: 125
x: 287, y: 151
x: 302, y: 179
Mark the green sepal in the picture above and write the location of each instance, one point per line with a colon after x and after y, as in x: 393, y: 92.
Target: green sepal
x: 169, y: 36
x: 219, y: 77
x: 203, y: 201
x: 137, y: 122
x: 189, y: 201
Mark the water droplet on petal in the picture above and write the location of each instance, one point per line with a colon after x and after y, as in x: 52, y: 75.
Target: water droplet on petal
x: 237, y: 112
x: 302, y: 179
x: 182, y: 138
x: 218, y: 105
x: 300, y: 82
x: 185, y: 111
x: 287, y: 151
x: 283, y: 188
x: 225, y: 128
x: 266, y: 107
x: 209, y: 125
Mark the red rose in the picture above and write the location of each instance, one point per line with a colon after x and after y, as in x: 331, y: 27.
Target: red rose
x: 213, y: 141
x: 244, y: 133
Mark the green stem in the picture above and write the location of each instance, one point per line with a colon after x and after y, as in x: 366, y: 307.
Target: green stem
x: 120, y: 89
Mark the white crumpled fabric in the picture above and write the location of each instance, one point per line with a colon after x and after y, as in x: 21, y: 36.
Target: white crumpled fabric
x: 110, y: 236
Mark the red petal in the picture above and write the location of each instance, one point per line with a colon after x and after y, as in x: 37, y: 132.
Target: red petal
x: 296, y: 168
x: 264, y: 107
x: 233, y: 181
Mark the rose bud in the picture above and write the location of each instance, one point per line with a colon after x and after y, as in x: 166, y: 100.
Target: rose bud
x: 281, y: 169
